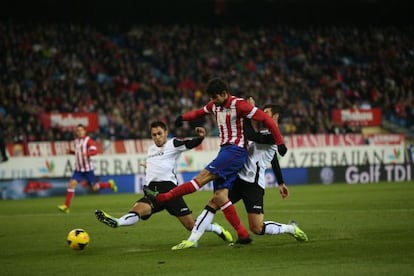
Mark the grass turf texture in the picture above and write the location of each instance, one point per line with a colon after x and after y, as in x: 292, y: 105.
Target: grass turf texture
x: 353, y: 230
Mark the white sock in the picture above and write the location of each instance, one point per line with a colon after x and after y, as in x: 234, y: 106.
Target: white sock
x: 202, y: 222
x: 128, y: 219
x: 275, y: 228
x: 214, y: 228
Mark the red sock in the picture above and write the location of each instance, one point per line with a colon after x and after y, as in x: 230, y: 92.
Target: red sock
x: 232, y: 217
x: 183, y: 189
x: 69, y: 195
x: 104, y: 185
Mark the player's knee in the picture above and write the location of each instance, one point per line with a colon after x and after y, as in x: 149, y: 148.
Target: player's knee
x: 72, y: 184
x: 220, y: 197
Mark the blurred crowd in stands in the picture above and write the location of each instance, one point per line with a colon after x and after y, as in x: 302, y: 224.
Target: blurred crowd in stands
x: 131, y: 76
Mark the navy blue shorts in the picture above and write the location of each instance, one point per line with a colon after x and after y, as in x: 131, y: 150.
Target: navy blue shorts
x: 226, y: 165
x: 84, y: 177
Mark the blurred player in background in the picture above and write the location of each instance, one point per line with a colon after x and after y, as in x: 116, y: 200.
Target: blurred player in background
x: 83, y: 147
x: 160, y: 174
x: 229, y: 112
x: 250, y: 184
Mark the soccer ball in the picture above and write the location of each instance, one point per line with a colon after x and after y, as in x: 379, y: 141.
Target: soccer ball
x: 78, y: 239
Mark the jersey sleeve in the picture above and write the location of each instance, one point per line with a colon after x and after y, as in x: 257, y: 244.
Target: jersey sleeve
x: 252, y: 135
x: 277, y: 170
x: 198, y: 113
x: 262, y: 117
x: 188, y: 143
x: 92, y: 149
x: 245, y: 109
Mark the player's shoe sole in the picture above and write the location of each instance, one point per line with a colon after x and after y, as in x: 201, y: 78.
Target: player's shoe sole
x: 240, y: 242
x: 298, y: 234
x: 106, y: 219
x: 184, y: 245
x: 152, y: 195
x: 225, y: 234
x: 63, y: 208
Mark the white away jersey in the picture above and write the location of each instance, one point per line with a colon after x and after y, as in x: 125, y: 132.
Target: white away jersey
x: 258, y: 159
x: 162, y: 162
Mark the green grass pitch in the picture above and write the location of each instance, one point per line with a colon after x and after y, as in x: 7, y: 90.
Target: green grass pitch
x: 364, y: 229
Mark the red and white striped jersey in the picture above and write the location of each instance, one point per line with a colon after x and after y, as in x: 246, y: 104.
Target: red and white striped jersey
x: 84, y: 147
x: 229, y: 118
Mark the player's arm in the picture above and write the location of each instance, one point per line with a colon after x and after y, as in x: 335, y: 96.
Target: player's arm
x: 193, y: 142
x: 251, y: 112
x: 255, y: 136
x: 262, y: 117
x: 194, y: 114
x: 91, y: 149
x: 277, y: 170
x: 283, y: 190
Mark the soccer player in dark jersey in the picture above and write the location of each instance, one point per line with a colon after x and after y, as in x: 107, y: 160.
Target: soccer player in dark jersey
x: 161, y: 175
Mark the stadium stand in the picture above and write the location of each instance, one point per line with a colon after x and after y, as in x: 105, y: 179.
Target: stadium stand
x: 130, y: 73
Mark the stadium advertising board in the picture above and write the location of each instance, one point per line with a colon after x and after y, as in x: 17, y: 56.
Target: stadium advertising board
x: 69, y: 121
x: 45, y: 187
x: 209, y: 144
x: 124, y: 164
x: 343, y: 156
x: 361, y: 117
x: 362, y: 174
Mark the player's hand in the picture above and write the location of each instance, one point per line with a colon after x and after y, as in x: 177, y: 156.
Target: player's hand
x: 282, y: 149
x: 283, y: 190
x: 178, y: 121
x: 201, y: 132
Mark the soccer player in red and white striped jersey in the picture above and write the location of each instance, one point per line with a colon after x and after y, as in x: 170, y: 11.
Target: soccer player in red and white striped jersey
x: 83, y: 147
x: 229, y: 112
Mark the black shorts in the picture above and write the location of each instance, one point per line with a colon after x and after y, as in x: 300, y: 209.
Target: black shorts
x: 176, y: 207
x: 251, y: 194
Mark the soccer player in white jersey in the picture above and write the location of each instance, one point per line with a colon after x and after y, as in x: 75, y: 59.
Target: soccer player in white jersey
x: 83, y: 147
x: 161, y: 170
x: 250, y: 184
